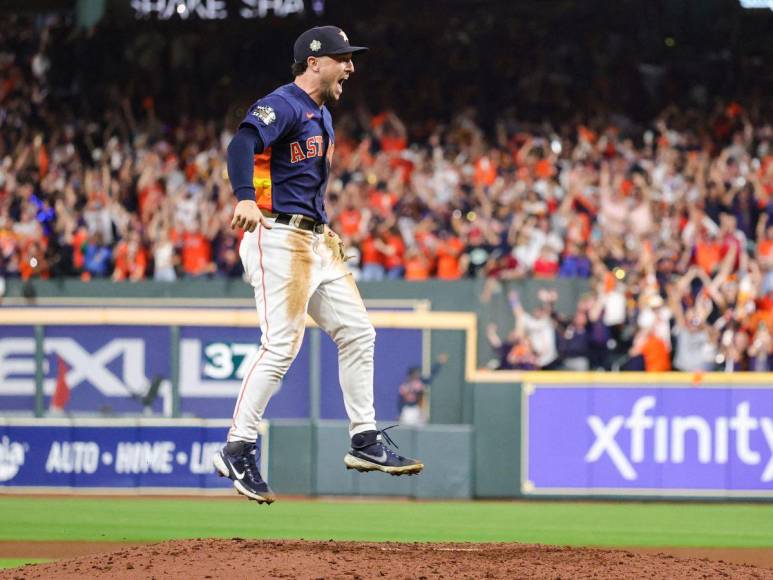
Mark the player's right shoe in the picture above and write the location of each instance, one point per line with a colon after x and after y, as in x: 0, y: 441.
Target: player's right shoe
x: 237, y: 461
x: 370, y: 453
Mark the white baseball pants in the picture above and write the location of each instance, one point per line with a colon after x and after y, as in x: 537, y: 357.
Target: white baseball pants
x: 292, y: 272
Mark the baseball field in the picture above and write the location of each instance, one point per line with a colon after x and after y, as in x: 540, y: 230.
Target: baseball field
x: 224, y: 537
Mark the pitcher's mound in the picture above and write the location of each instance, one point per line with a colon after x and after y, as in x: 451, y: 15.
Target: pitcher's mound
x: 237, y: 558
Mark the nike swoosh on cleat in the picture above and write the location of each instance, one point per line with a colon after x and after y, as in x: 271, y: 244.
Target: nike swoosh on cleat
x: 375, y: 458
x: 238, y: 475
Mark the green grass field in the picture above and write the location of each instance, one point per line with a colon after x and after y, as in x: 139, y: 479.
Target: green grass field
x: 564, y: 523
x: 16, y: 562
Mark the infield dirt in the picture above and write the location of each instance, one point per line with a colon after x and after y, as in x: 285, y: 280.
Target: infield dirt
x: 237, y: 558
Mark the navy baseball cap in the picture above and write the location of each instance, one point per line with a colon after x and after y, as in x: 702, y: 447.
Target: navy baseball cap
x: 323, y: 41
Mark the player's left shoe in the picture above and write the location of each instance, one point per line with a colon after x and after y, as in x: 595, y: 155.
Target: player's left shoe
x: 370, y: 453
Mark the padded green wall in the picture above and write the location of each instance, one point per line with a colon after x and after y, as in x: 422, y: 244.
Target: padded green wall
x: 496, y: 418
x: 308, y: 460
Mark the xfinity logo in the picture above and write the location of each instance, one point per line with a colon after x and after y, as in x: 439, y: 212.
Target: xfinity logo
x: 666, y: 436
x: 11, y: 458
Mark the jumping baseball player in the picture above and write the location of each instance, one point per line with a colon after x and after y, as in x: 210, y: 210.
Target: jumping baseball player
x: 278, y: 164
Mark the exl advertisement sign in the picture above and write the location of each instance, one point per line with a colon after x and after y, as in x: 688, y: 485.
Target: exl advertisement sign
x: 110, y: 369
x: 107, y: 368
x: 663, y: 440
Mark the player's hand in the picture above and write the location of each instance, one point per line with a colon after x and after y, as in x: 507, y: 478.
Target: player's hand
x: 247, y: 216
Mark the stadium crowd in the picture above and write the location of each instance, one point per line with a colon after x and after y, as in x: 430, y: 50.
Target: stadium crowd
x: 670, y: 220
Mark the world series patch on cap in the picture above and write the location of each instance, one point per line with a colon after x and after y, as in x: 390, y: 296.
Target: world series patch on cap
x: 323, y: 41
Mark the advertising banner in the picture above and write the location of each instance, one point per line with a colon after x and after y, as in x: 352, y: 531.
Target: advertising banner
x: 113, y: 453
x: 107, y: 369
x: 123, y: 369
x: 712, y: 440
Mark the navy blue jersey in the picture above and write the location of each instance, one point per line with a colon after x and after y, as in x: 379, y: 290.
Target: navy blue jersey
x: 291, y: 171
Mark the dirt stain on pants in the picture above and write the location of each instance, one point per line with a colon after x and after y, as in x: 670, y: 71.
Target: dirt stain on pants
x: 300, y: 283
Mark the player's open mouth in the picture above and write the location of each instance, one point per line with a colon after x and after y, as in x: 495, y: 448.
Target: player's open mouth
x: 341, y: 83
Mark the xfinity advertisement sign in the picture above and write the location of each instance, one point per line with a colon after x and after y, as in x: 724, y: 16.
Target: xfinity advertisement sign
x: 662, y: 440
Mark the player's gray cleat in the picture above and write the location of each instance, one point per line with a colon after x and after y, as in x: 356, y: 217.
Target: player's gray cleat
x: 237, y: 461
x: 370, y: 453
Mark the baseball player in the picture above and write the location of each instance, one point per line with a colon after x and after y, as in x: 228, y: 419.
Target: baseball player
x: 278, y: 164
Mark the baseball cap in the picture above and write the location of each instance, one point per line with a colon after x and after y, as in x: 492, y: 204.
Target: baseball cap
x: 323, y: 41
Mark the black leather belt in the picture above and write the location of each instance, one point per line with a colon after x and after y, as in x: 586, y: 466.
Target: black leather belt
x: 301, y: 222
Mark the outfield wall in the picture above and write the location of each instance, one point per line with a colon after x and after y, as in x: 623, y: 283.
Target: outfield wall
x: 492, y: 434
x: 113, y: 356
x: 175, y: 456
